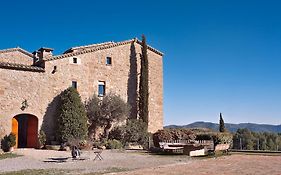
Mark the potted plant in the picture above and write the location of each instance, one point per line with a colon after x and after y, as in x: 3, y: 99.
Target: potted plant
x: 8, y: 142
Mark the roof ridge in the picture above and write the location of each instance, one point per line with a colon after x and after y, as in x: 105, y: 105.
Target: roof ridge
x: 94, y: 45
x: 90, y: 50
x: 16, y: 66
x: 17, y: 49
x: 103, y: 47
x: 88, y: 46
x: 149, y: 47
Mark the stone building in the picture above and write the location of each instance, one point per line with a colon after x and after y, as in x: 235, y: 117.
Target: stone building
x: 31, y: 82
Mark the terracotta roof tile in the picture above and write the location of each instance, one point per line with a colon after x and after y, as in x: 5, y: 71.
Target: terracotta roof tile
x: 16, y: 49
x: 102, y: 46
x: 23, y: 67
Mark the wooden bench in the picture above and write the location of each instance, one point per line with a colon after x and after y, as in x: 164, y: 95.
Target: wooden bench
x: 170, y: 147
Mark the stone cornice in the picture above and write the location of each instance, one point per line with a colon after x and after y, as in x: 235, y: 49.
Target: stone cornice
x: 22, y: 67
x: 102, y: 47
x: 17, y: 49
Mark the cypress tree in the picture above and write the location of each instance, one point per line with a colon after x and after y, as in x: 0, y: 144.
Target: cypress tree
x: 72, y: 119
x: 143, y: 86
x: 222, y: 127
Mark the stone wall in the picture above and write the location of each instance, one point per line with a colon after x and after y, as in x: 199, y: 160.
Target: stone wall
x: 42, y: 89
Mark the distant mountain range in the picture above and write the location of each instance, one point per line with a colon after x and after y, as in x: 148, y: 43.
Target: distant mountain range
x: 232, y: 127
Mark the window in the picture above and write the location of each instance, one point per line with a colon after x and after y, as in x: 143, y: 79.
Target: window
x: 74, y: 84
x: 75, y: 60
x: 101, y: 88
x: 108, y: 61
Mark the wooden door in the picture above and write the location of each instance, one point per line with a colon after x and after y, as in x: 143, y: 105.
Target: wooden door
x: 15, y: 129
x: 32, y: 132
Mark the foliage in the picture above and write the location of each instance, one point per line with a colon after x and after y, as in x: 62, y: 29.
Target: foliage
x: 173, y: 134
x: 82, y: 144
x: 133, y: 132
x: 8, y: 155
x: 222, y: 127
x: 72, y: 120
x: 104, y: 112
x: 222, y: 138
x: 136, y: 132
x: 246, y: 139
x: 42, y: 138
x: 8, y: 141
x: 117, y: 133
x: 204, y: 136
x: 143, y: 86
x: 113, y: 144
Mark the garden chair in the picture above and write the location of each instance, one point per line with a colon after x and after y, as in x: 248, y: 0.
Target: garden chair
x: 98, y: 154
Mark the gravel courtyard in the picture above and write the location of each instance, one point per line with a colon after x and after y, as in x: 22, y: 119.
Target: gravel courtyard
x: 139, y: 163
x: 122, y: 160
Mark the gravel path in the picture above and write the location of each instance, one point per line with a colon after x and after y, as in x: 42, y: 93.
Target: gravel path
x: 48, y: 159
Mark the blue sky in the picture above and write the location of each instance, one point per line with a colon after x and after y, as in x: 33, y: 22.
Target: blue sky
x: 220, y: 56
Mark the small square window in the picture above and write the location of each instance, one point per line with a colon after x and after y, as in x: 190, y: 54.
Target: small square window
x: 108, y: 60
x: 101, y: 88
x: 74, y: 84
x: 75, y: 60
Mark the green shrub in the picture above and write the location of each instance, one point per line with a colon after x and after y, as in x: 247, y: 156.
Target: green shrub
x: 222, y: 138
x: 42, y: 138
x: 203, y: 136
x: 172, y: 134
x: 8, y: 141
x: 113, y: 144
x: 135, y: 131
x: 72, y: 119
x: 117, y: 133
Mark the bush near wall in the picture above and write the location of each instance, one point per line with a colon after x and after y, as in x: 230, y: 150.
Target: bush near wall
x: 191, y: 134
x: 133, y: 132
x: 173, y: 134
x: 71, y: 119
x: 222, y: 138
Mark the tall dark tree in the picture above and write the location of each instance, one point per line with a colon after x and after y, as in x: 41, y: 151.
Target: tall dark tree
x: 143, y: 86
x: 222, y: 127
x: 72, y: 119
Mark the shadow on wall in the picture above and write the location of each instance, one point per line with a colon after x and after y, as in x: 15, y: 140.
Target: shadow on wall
x: 132, y: 83
x: 50, y: 119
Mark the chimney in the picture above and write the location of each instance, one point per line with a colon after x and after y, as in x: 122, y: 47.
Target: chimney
x: 41, y: 55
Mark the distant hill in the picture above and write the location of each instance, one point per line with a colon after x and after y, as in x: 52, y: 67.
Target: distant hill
x: 232, y: 127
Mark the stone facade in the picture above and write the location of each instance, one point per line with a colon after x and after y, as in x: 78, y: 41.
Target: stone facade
x: 40, y: 77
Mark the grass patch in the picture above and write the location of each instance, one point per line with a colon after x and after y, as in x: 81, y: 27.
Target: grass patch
x: 8, y: 155
x: 39, y: 171
x: 62, y: 172
x: 109, y: 170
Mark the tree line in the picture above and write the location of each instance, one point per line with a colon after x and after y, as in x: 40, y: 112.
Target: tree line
x: 245, y: 139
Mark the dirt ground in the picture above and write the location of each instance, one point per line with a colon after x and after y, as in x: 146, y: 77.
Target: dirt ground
x: 227, y: 165
x: 139, y: 163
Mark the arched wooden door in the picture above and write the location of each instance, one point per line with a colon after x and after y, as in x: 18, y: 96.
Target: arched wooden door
x: 25, y: 127
x: 15, y: 126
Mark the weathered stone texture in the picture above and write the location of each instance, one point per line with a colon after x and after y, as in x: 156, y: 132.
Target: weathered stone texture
x: 16, y: 57
x: 41, y: 89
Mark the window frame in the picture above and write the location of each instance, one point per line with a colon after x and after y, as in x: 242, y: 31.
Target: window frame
x: 101, y: 84
x: 74, y: 84
x: 75, y: 60
x: 108, y: 59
